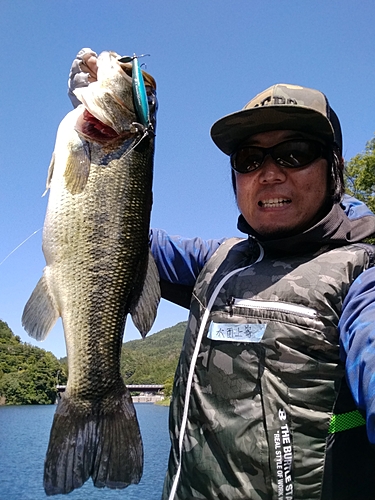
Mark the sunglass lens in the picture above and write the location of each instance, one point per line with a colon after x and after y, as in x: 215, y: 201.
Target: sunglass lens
x: 294, y: 154
x: 247, y: 159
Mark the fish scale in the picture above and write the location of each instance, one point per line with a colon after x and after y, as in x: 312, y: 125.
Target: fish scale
x: 99, y: 269
x: 104, y: 270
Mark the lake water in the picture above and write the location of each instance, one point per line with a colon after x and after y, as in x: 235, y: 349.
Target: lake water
x: 24, y: 434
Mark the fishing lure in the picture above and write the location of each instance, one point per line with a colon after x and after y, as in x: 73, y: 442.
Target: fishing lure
x: 139, y: 90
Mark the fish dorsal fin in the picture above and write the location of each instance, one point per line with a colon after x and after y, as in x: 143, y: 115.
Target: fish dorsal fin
x: 77, y: 168
x: 144, y: 311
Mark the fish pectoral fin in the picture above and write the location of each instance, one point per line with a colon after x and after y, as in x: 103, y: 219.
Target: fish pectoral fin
x: 144, y: 311
x: 77, y: 169
x: 50, y: 173
x: 40, y: 312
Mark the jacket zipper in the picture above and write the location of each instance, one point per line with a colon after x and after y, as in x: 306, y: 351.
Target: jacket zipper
x: 271, y: 306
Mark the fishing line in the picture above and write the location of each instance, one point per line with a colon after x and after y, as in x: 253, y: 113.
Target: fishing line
x: 193, y: 362
x: 137, y: 140
x: 20, y: 245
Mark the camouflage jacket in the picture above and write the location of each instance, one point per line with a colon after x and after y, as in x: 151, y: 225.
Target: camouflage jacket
x: 260, y: 408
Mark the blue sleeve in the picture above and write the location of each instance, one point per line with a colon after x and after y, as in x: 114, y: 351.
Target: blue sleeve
x: 180, y: 260
x: 353, y: 208
x: 357, y: 338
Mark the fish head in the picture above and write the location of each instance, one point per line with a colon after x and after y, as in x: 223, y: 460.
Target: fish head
x: 109, y: 110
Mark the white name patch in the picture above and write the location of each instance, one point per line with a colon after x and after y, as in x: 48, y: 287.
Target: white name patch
x: 235, y: 332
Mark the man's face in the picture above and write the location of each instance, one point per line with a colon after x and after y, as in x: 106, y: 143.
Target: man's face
x: 279, y: 201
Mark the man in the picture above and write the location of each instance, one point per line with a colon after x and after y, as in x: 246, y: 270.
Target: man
x: 274, y: 390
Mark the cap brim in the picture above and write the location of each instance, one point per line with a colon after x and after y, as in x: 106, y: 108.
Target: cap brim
x: 231, y: 130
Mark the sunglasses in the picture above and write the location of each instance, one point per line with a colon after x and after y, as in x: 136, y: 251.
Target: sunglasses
x: 294, y: 153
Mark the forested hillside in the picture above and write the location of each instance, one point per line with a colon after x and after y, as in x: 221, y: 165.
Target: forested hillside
x: 28, y: 374
x: 152, y: 360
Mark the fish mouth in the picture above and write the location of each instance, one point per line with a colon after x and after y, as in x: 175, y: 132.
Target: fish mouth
x: 96, y: 130
x: 274, y: 202
x: 108, y: 112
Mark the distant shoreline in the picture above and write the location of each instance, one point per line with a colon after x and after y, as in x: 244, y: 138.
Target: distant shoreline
x: 158, y: 400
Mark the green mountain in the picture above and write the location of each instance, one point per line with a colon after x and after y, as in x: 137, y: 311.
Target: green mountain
x: 28, y: 374
x: 152, y: 360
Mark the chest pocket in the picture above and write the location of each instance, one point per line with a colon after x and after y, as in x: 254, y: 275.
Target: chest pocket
x: 248, y: 319
x: 288, y: 341
x: 280, y: 348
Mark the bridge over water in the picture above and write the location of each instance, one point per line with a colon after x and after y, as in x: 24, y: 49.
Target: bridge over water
x: 148, y: 393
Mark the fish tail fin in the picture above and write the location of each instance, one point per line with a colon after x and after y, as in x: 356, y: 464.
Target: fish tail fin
x: 102, y: 441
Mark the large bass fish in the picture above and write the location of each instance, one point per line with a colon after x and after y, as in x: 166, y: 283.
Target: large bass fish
x: 95, y: 242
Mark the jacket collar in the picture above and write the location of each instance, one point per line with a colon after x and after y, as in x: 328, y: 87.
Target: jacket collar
x: 335, y: 229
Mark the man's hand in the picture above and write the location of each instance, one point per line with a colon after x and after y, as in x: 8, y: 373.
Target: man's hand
x: 82, y: 72
x: 89, y: 65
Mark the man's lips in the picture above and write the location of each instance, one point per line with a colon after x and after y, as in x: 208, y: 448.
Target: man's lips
x: 274, y: 202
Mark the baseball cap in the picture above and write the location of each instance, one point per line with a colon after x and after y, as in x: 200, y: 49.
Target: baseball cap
x: 280, y: 107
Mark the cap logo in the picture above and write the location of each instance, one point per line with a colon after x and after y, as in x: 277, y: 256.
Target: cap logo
x: 276, y: 100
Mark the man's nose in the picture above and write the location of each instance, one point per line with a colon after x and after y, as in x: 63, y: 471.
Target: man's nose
x: 270, y: 171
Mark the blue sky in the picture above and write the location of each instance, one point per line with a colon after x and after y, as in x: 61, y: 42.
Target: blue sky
x: 209, y: 58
